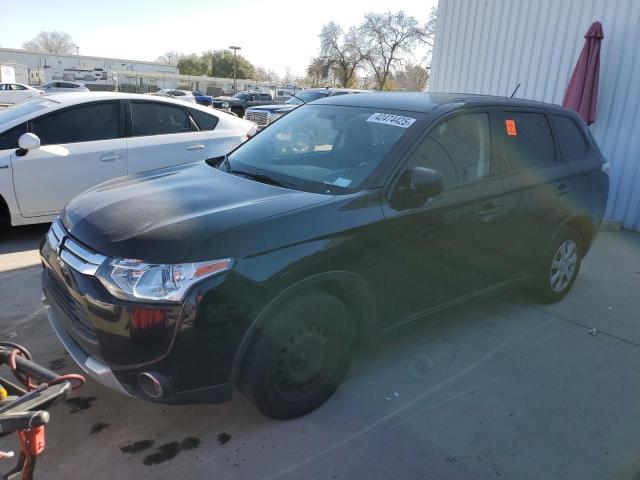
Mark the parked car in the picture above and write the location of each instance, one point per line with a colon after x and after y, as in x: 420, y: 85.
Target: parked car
x: 241, y: 101
x: 59, y: 86
x: 183, y: 95
x: 348, y: 217
x: 11, y: 93
x: 54, y: 147
x: 203, y: 98
x: 263, y: 115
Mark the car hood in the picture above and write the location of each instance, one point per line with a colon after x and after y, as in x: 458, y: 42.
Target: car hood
x: 164, y: 215
x: 273, y: 108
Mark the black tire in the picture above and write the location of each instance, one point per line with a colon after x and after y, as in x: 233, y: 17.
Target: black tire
x: 543, y: 288
x: 300, y: 356
x: 238, y: 111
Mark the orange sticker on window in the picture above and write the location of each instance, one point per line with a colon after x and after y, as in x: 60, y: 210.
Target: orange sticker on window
x: 511, y: 127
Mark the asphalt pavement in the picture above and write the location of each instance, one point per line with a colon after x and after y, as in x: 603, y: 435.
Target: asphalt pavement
x: 497, y: 388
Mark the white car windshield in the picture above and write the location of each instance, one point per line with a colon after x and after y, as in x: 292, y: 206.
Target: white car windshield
x: 16, y: 111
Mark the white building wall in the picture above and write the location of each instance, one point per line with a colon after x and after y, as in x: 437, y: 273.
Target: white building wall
x: 489, y: 46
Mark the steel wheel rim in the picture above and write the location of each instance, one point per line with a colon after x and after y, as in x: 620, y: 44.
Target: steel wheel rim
x: 563, y: 266
x: 307, y: 354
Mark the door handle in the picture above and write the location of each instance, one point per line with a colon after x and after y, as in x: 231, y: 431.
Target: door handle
x: 111, y: 157
x: 2, y: 167
x: 562, y: 189
x: 489, y: 209
x: 195, y: 147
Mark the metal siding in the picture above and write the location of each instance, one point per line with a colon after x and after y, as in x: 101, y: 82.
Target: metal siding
x: 488, y: 46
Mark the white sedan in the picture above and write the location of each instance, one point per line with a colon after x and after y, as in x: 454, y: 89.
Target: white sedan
x: 60, y: 86
x: 17, y: 92
x: 54, y: 147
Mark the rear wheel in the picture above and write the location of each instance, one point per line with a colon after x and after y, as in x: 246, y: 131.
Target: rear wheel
x: 300, y: 356
x: 560, y: 267
x: 238, y: 111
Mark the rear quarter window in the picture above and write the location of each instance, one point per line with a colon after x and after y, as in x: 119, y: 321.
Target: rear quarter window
x: 203, y: 120
x: 570, y: 138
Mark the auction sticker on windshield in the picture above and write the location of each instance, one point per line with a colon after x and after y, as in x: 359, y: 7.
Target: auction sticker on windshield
x: 389, y: 119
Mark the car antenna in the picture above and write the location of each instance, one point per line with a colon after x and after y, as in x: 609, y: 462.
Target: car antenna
x: 517, y: 87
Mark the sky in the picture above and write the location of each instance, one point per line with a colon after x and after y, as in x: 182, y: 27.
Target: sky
x: 276, y: 35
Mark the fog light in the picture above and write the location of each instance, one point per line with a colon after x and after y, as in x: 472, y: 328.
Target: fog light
x: 151, y: 384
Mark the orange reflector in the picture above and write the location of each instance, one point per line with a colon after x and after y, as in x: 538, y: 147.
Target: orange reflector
x: 210, y: 268
x: 145, y: 318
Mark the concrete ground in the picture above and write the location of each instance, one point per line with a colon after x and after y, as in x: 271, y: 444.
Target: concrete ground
x: 497, y: 388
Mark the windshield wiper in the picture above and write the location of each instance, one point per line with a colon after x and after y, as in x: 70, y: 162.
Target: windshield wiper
x: 262, y: 178
x: 295, y: 96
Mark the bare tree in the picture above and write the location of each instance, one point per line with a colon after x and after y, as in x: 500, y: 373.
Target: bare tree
x: 344, y: 52
x: 430, y: 27
x: 51, y: 42
x: 171, y: 57
x: 389, y: 35
x: 412, y: 78
x: 317, y: 72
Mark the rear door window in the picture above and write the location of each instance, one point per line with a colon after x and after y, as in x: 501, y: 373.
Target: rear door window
x: 527, y: 140
x: 571, y: 140
x: 150, y: 118
x: 87, y: 123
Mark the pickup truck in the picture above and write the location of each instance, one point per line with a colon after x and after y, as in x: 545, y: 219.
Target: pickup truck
x: 263, y: 115
x: 241, y: 101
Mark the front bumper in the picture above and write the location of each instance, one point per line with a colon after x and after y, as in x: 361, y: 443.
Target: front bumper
x: 104, y: 375
x: 90, y: 365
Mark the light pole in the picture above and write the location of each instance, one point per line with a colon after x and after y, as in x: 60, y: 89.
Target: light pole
x: 235, y: 66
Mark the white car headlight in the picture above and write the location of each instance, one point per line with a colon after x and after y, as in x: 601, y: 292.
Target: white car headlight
x: 225, y: 104
x: 136, y: 280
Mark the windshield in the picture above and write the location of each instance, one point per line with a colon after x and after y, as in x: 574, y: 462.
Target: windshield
x: 241, y: 96
x: 307, y: 96
x: 16, y: 111
x: 323, y: 148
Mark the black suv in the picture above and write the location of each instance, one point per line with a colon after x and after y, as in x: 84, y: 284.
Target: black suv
x: 347, y: 217
x: 264, y: 115
x: 241, y: 101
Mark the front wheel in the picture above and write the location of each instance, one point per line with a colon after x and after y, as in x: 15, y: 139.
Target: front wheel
x: 560, y: 267
x: 300, y: 356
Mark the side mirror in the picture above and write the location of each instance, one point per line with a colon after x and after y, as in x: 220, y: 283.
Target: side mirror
x: 425, y: 182
x: 28, y: 141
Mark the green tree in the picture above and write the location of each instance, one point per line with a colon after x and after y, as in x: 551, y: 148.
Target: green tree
x: 191, y: 65
x: 219, y: 63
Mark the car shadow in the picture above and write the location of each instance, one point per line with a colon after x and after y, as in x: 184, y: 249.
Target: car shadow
x: 20, y: 239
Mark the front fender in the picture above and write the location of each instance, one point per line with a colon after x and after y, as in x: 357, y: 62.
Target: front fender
x: 350, y: 288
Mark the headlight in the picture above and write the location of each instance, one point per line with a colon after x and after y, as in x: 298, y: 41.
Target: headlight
x: 225, y: 104
x: 136, y: 280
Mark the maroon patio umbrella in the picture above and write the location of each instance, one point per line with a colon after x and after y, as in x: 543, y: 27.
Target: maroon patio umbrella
x: 582, y: 92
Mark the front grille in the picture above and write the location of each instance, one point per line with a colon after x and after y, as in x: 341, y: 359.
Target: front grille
x: 260, y: 118
x: 71, y: 308
x: 71, y: 252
